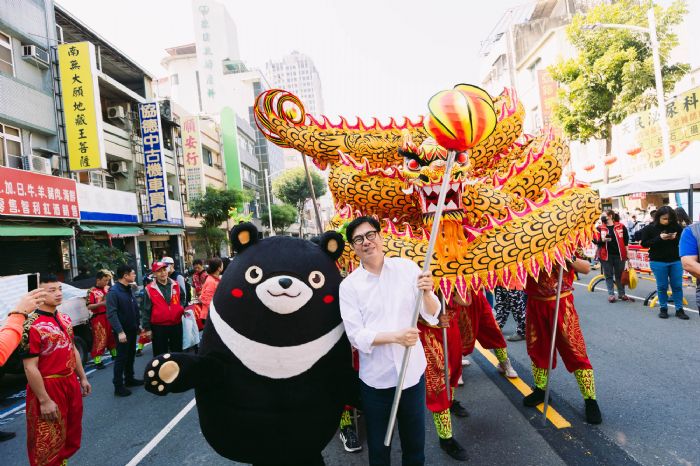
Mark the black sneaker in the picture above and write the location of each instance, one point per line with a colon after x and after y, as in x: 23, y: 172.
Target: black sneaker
x: 139, y: 353
x: 454, y: 449
x: 458, y: 410
x: 534, y: 398
x: 99, y: 366
x: 134, y: 383
x: 682, y: 315
x: 663, y: 313
x: 121, y: 391
x: 349, y: 438
x: 593, y: 415
x: 6, y: 435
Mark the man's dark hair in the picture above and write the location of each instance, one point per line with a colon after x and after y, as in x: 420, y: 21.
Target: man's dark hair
x: 124, y: 269
x: 48, y: 278
x: 214, y: 264
x: 666, y: 210
x: 352, y: 226
x: 197, y: 262
x: 100, y: 275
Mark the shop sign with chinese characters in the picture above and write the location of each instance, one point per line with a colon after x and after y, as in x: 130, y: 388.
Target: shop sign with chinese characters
x: 194, y: 168
x: 548, y: 99
x: 81, y: 106
x: 27, y: 194
x: 156, y: 186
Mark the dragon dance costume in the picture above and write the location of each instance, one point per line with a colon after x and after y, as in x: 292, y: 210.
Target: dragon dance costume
x: 102, y: 335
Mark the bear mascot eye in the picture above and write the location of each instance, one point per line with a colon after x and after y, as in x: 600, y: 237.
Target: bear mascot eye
x: 316, y: 279
x: 253, y: 275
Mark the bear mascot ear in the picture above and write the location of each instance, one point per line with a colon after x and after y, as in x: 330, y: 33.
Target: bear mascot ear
x: 332, y: 243
x: 243, y: 236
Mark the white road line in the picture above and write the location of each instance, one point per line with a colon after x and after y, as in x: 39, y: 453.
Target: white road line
x: 585, y: 285
x: 161, y: 435
x: 13, y: 410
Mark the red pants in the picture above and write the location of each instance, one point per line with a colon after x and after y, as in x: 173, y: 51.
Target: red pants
x: 102, y: 335
x: 476, y: 322
x: 570, y: 344
x: 431, y: 338
x: 49, y: 443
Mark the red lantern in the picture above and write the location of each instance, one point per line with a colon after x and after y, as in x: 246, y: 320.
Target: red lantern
x: 589, y: 167
x: 634, y: 151
x: 609, y: 160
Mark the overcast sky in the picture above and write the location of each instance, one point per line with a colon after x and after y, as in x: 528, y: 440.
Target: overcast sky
x: 375, y: 57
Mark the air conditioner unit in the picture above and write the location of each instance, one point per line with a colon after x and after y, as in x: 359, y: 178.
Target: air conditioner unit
x: 118, y: 168
x: 116, y: 112
x: 35, y: 54
x: 40, y: 164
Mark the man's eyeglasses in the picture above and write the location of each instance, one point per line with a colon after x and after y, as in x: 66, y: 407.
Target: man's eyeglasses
x: 359, y: 239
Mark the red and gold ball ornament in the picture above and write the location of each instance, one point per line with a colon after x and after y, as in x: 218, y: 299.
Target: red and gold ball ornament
x: 609, y: 160
x: 589, y: 167
x: 461, y: 118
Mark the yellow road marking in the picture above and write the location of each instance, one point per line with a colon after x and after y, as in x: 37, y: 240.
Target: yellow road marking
x: 554, y: 417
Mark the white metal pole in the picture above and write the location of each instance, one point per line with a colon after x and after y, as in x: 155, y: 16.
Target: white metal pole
x: 663, y: 121
x: 269, y: 201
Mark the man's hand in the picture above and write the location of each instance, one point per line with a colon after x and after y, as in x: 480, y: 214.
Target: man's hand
x: 49, y: 411
x: 425, y: 282
x: 407, y: 337
x: 85, y: 387
x: 444, y: 319
x: 31, y: 301
x: 122, y: 337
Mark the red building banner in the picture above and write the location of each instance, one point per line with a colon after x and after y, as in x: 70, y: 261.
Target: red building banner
x: 27, y: 194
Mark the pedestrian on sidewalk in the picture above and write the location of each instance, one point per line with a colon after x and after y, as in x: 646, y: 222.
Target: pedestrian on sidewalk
x: 11, y: 332
x: 682, y: 217
x: 123, y: 315
x: 215, y: 267
x: 511, y: 302
x: 688, y: 250
x: 102, y: 335
x: 612, y: 239
x: 199, y: 276
x: 662, y: 237
x: 162, y: 311
x: 178, y: 277
x: 56, y: 381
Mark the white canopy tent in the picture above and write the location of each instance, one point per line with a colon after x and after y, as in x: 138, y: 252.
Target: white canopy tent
x: 678, y: 174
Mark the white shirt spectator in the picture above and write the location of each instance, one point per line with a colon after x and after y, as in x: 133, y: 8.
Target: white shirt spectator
x: 370, y: 304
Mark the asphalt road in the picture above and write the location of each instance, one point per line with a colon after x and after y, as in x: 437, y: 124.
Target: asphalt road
x: 646, y: 372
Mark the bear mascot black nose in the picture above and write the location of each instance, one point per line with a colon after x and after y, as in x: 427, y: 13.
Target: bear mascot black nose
x: 285, y: 282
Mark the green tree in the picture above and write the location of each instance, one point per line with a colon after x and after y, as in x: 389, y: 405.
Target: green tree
x: 291, y: 187
x: 213, y: 208
x: 96, y: 256
x: 613, y: 74
x: 282, y: 216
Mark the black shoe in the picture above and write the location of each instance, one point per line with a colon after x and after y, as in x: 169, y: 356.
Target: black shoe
x: 663, y: 313
x: 6, y: 435
x: 593, y: 415
x: 99, y: 366
x: 458, y: 410
x: 534, y: 398
x: 454, y: 449
x: 349, y: 438
x: 682, y: 315
x: 121, y: 391
x: 139, y: 353
x: 134, y: 383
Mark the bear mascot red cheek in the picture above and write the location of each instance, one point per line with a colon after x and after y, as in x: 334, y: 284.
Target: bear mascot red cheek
x: 274, y: 367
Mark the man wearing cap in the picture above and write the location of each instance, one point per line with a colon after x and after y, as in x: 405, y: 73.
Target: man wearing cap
x: 162, y: 311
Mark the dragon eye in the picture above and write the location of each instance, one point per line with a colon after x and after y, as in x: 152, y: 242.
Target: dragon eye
x: 253, y: 275
x: 412, y: 164
x: 461, y: 158
x: 316, y: 279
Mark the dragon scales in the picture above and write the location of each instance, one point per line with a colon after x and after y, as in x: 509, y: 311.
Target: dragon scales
x: 506, y: 213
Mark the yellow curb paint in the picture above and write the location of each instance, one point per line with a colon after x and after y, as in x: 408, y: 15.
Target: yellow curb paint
x: 554, y: 417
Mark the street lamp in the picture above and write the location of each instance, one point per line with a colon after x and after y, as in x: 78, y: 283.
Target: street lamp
x: 651, y: 30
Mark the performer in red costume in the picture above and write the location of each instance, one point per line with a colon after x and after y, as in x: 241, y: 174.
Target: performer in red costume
x: 539, y: 321
x: 102, y: 335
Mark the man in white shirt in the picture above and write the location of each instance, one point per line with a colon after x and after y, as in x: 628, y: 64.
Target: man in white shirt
x: 376, y: 303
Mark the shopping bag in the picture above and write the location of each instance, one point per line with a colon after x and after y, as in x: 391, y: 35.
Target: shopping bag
x: 632, y: 277
x: 190, y: 332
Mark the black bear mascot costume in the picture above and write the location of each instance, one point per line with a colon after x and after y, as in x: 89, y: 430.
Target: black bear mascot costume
x: 274, y: 367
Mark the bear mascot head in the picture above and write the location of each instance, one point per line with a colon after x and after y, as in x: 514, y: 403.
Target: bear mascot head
x: 274, y: 367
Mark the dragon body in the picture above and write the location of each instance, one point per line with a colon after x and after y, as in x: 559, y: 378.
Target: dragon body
x: 507, y: 215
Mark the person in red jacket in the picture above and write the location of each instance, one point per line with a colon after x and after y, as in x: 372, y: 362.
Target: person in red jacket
x: 612, y: 239
x: 215, y: 268
x: 162, y: 311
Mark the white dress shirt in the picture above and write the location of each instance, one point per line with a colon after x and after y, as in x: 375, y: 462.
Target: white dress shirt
x: 370, y: 304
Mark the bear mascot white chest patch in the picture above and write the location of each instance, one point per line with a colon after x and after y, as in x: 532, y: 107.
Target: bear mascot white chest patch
x: 274, y: 368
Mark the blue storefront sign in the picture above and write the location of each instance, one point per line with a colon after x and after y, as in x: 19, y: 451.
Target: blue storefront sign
x: 156, y: 185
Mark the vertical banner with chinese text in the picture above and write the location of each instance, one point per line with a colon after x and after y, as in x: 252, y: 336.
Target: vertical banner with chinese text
x: 156, y: 185
x: 548, y: 97
x: 81, y: 106
x: 194, y: 168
